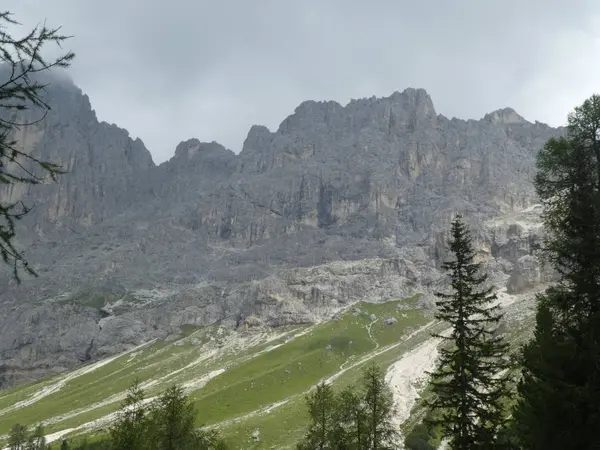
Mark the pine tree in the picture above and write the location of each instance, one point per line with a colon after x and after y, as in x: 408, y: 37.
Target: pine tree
x: 544, y: 401
x: 129, y: 430
x: 208, y: 440
x: 379, y: 410
x: 357, y: 418
x: 64, y: 445
x: 321, y: 406
x: 350, y: 421
x: 167, y: 424
x: 172, y: 422
x: 469, y: 384
x: 419, y: 438
x: 559, y: 401
x: 17, y: 437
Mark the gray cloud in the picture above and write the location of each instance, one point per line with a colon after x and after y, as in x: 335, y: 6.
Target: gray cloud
x: 168, y: 71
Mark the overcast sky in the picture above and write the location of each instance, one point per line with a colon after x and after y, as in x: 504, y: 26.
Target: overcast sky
x: 169, y: 71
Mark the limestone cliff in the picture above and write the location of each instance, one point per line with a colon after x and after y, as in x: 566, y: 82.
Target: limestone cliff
x: 340, y: 203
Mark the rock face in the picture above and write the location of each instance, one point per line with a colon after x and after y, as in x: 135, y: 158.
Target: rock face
x: 103, y: 163
x: 341, y: 203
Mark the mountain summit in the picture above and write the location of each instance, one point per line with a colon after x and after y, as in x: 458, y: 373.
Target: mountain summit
x: 504, y: 116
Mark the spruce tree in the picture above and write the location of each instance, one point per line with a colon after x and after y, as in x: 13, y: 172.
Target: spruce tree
x: 468, y: 384
x: 559, y: 401
x: 166, y: 424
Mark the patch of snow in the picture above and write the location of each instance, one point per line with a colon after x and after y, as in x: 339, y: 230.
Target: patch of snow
x: 209, y: 354
x: 288, y: 339
x: 270, y: 408
x: 188, y: 387
x: 94, y: 424
x: 526, y: 225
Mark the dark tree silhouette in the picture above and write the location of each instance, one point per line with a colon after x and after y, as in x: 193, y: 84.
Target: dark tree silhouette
x: 469, y: 383
x: 21, y: 61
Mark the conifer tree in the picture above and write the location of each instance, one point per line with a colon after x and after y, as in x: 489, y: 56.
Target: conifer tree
x: 559, y: 401
x: 357, y: 418
x: 321, y: 407
x: 544, y: 402
x: 350, y: 421
x: 166, y: 424
x: 419, y: 438
x: 36, y: 440
x: 379, y: 410
x: 17, y: 437
x: 172, y: 422
x: 468, y: 383
x: 129, y: 430
x: 22, y: 60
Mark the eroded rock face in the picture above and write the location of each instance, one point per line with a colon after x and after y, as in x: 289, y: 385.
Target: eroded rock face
x: 340, y: 204
x: 102, y: 161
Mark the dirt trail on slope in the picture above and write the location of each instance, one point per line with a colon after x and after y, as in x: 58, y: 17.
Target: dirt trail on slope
x: 353, y: 357
x: 371, y: 335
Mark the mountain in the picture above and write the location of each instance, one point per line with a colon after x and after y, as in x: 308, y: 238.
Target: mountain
x: 339, y: 204
x: 251, y: 384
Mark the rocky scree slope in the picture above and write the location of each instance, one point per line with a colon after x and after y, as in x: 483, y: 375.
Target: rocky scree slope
x: 340, y: 204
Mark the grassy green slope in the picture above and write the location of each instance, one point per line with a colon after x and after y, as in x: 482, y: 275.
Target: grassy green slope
x: 255, y: 371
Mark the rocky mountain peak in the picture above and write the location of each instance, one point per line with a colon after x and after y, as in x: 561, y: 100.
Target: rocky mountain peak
x: 411, y: 107
x: 311, y: 113
x: 194, y: 148
x: 259, y: 137
x: 101, y: 159
x: 194, y: 164
x: 416, y: 99
x: 504, y: 116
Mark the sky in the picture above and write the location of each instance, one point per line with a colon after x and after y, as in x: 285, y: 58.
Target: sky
x: 170, y: 71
